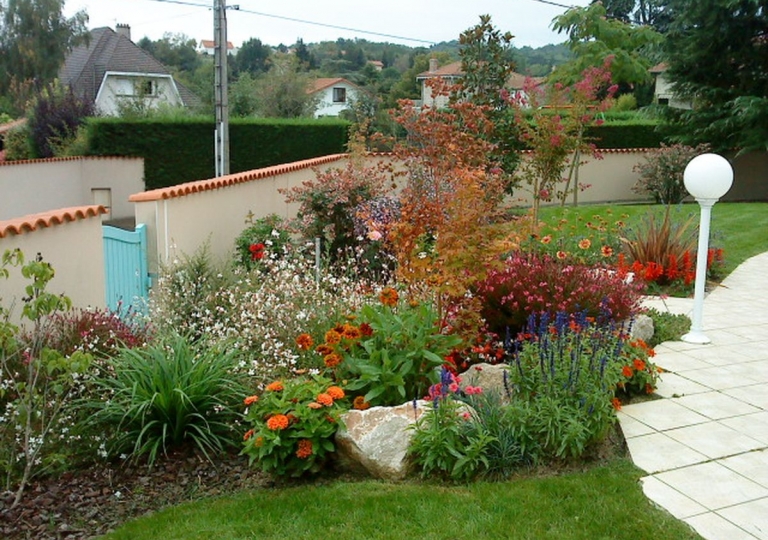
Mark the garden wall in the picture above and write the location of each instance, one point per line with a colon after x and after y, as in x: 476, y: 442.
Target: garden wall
x: 750, y: 177
x: 71, y: 240
x: 30, y: 187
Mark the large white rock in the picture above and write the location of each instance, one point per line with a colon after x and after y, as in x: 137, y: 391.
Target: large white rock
x: 376, y: 440
x: 489, y: 377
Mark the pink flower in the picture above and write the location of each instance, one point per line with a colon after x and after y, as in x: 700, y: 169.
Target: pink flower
x: 374, y: 235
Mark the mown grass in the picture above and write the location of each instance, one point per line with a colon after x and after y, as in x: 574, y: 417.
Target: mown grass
x: 741, y: 229
x: 605, y: 502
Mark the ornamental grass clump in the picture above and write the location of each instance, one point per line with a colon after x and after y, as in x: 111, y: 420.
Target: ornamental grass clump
x: 167, y: 395
x: 291, y: 425
x: 532, y: 284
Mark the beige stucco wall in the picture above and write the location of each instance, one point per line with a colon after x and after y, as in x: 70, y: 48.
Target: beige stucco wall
x: 750, y: 177
x: 610, y: 179
x: 75, y: 251
x: 30, y: 187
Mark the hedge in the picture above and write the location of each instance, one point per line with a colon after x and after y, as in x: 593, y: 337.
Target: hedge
x: 181, y: 150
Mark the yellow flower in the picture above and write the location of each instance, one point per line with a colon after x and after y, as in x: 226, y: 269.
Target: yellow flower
x: 585, y: 243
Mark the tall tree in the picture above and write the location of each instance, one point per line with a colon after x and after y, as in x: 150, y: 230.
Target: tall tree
x: 253, y: 57
x: 717, y: 52
x: 282, y: 91
x: 592, y: 37
x: 175, y: 51
x: 643, y: 12
x: 306, y: 58
x: 34, y: 39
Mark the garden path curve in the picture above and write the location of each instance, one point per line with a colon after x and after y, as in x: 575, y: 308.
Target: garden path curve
x: 704, y: 445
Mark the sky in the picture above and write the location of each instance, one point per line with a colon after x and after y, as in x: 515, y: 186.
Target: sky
x: 422, y: 22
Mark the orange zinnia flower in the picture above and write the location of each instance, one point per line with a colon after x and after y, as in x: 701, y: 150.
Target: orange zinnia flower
x: 616, y: 404
x: 360, y: 404
x: 626, y: 371
x: 606, y: 251
x: 332, y: 337
x: 366, y: 329
x: 276, y: 386
x: 278, y: 422
x: 324, y: 349
x: 314, y: 405
x: 388, y: 296
x: 648, y: 389
x: 585, y: 243
x: 332, y: 360
x: 639, y: 364
x: 351, y: 332
x: 259, y: 441
x: 305, y: 449
x: 248, y: 434
x: 304, y: 341
x: 335, y: 392
x: 250, y: 400
x: 324, y: 399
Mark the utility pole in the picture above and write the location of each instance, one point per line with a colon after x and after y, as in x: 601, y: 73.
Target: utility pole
x: 221, y: 92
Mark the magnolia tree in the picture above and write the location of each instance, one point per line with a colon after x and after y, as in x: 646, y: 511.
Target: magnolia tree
x: 552, y: 122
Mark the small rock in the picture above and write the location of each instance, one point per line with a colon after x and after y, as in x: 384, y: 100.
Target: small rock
x: 642, y: 327
x: 489, y: 377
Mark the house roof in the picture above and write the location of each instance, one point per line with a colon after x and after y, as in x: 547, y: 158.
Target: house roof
x: 85, y: 66
x: 326, y: 82
x: 659, y: 68
x: 210, y: 44
x: 515, y: 81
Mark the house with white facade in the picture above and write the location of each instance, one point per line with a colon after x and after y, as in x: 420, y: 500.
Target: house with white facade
x: 662, y: 89
x: 334, y: 95
x: 452, y: 74
x: 208, y: 46
x: 112, y: 70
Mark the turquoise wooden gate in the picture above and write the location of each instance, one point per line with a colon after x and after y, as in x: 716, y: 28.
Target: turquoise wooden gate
x: 125, y: 268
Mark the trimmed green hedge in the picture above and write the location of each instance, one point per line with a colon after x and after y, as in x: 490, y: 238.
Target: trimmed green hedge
x: 634, y: 133
x: 181, y: 150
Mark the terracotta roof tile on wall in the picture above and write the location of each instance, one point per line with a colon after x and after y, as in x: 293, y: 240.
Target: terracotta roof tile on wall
x: 231, y: 179
x: 615, y: 150
x: 72, y: 158
x: 43, y: 220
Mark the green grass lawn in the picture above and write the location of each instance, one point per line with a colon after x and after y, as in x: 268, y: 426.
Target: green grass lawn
x: 741, y: 229
x: 605, y: 502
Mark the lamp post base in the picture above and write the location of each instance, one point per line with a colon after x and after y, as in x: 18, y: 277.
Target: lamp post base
x: 697, y: 338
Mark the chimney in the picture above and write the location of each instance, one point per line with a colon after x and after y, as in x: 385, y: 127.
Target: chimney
x: 123, y: 30
x: 432, y: 65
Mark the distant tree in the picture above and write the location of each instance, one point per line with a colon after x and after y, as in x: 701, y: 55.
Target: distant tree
x: 243, y: 96
x: 643, y: 12
x: 717, y: 51
x: 282, y: 91
x: 55, y: 117
x: 354, y: 54
x: 306, y: 59
x: 253, y: 57
x: 408, y: 87
x: 592, y: 37
x: 175, y: 51
x: 35, y: 37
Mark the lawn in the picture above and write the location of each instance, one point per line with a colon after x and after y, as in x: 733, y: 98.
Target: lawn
x: 603, y: 502
x: 741, y: 229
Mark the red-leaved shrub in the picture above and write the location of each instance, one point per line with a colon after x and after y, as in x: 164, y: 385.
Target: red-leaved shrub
x: 531, y: 283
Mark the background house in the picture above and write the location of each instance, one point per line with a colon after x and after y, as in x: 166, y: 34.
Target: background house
x: 452, y: 73
x: 112, y: 70
x: 207, y: 46
x: 334, y: 95
x: 662, y: 90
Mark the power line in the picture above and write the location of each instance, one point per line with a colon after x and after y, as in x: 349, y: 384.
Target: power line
x: 302, y: 21
x: 554, y: 4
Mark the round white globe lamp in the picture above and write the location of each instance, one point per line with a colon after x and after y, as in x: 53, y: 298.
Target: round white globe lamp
x: 707, y: 177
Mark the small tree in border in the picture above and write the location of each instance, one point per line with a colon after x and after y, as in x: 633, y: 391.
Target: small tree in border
x: 552, y: 122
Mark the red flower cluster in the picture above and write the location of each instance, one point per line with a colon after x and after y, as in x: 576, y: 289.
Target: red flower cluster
x: 257, y: 251
x: 674, y: 270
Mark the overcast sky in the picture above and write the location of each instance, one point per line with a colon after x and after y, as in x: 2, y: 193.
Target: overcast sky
x: 426, y: 20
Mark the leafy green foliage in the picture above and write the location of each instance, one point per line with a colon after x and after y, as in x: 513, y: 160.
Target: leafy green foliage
x: 292, y: 425
x: 716, y: 55
x: 169, y: 394
x: 661, y: 174
x: 667, y: 326
x: 401, y: 357
x: 264, y: 237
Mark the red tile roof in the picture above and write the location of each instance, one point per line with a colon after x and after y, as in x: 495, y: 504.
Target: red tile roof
x: 43, y: 220
x: 515, y: 80
x: 326, y: 82
x: 210, y: 44
x: 659, y: 68
x: 230, y: 180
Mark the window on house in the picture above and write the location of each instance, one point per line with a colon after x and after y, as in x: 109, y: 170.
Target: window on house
x: 339, y: 95
x: 663, y: 101
x: 148, y: 88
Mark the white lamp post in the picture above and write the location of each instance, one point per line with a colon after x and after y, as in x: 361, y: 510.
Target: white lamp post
x: 707, y: 177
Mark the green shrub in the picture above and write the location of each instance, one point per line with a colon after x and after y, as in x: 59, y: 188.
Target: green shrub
x: 667, y: 326
x: 625, y: 102
x: 661, y: 174
x: 167, y: 395
x: 292, y: 424
x: 267, y: 236
x: 18, y: 144
x: 398, y: 357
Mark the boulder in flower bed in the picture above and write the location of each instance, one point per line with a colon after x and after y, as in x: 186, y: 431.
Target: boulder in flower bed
x: 489, y: 377
x: 376, y: 440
